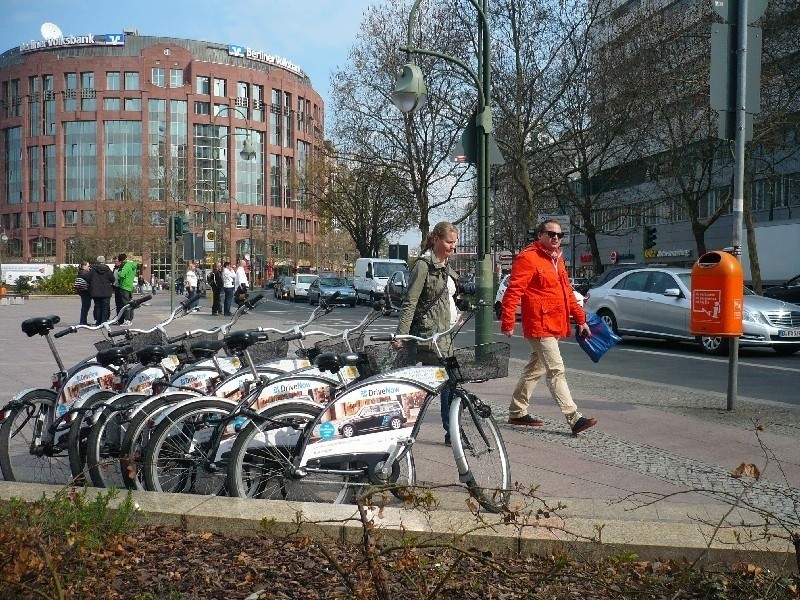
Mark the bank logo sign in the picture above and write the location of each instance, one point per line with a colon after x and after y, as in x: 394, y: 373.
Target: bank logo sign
x: 260, y: 56
x: 90, y: 39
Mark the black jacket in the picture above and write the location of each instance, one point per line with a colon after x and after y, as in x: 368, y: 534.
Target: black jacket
x: 100, y: 280
x: 214, y: 279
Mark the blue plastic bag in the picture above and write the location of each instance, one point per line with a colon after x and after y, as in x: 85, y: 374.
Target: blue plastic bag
x: 601, y: 340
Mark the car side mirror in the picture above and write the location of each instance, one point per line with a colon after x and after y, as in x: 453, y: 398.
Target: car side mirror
x: 673, y: 292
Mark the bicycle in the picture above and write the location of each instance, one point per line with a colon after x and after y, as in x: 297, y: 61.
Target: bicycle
x: 36, y: 432
x: 293, y: 449
x: 187, y: 451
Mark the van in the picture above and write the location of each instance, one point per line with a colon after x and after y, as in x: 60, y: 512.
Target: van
x: 371, y: 276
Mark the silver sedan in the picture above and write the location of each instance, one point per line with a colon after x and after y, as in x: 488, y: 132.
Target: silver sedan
x: 656, y: 303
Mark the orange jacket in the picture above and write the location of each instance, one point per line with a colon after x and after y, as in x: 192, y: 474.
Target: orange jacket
x: 543, y: 286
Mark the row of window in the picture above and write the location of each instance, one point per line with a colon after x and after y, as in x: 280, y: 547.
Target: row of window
x: 158, y: 218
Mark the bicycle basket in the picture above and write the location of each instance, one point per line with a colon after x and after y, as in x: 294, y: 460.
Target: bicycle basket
x: 137, y: 341
x: 482, y: 362
x: 103, y: 345
x: 382, y: 357
x: 354, y: 343
x: 265, y: 351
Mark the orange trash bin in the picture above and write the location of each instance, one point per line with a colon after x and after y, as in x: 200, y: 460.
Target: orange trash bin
x: 717, y: 295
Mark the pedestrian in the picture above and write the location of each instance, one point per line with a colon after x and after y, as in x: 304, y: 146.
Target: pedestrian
x: 429, y: 305
x: 126, y: 279
x: 153, y: 284
x: 228, y: 286
x: 101, y: 288
x: 82, y: 288
x: 190, y: 282
x: 179, y: 285
x: 539, y: 280
x: 240, y: 295
x: 215, y: 283
x: 117, y: 298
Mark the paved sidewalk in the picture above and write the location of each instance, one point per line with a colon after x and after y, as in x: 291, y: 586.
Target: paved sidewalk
x: 656, y: 470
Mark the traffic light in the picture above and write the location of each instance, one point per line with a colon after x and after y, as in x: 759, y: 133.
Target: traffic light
x: 178, y: 226
x: 650, y: 236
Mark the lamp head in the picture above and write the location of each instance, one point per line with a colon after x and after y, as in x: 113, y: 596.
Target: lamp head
x: 410, y: 93
x: 248, y: 149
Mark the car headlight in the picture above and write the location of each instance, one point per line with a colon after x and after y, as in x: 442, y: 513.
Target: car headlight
x: 754, y: 317
x: 379, y: 287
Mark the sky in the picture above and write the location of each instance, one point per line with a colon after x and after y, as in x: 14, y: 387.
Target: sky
x: 316, y: 35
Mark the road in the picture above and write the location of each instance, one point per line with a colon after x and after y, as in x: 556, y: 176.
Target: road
x: 762, y: 373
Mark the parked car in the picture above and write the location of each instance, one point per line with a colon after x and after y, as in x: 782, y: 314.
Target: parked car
x: 501, y: 290
x: 325, y: 286
x: 281, y: 289
x: 609, y: 273
x: 788, y: 291
x: 656, y: 303
x: 466, y: 284
x: 298, y: 286
x: 382, y: 415
x: 396, y: 288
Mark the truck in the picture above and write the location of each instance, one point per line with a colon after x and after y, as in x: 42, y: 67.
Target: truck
x: 778, y: 245
x: 371, y: 275
x: 10, y: 272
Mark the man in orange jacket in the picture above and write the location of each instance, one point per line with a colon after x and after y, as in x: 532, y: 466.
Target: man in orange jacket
x: 539, y: 279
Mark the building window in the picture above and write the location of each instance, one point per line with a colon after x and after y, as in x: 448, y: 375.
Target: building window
x: 113, y: 80
x: 34, y: 219
x: 275, y: 223
x: 258, y: 103
x: 111, y: 103
x: 12, y: 143
x: 133, y: 104
x: 287, y: 223
x: 70, y: 218
x: 16, y: 221
x: 220, y: 87
x: 157, y: 76
x: 203, y: 85
x: 49, y: 116
x: 287, y: 120
x: 131, y: 80
x: 88, y: 93
x: 34, y: 120
x: 111, y: 216
x: 88, y: 217
x: 202, y: 108
x: 70, y: 92
x: 50, y: 218
x: 274, y: 180
x: 175, y: 78
x: 50, y: 191
x: 123, y: 159
x: 158, y: 218
x: 275, y: 119
x: 80, y: 160
x: 34, y: 177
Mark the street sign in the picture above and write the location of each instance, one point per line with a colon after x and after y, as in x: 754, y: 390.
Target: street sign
x: 727, y: 9
x: 208, y: 243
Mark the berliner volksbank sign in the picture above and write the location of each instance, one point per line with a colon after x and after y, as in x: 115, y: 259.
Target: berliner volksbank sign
x: 90, y: 39
x: 261, y: 56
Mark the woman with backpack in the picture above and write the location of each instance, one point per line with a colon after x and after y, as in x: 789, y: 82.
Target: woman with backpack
x: 429, y: 306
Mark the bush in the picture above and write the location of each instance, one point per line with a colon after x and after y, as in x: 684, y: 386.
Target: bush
x: 61, y: 282
x: 23, y: 285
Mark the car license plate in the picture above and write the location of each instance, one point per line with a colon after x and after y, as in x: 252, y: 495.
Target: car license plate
x: 792, y: 333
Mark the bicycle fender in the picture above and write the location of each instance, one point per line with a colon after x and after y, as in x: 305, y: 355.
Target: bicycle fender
x: 161, y: 415
x: 306, y: 385
x: 142, y: 379
x: 82, y: 384
x: 16, y: 401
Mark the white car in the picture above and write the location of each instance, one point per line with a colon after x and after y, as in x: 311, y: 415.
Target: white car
x: 298, y: 288
x: 498, y: 298
x: 656, y: 303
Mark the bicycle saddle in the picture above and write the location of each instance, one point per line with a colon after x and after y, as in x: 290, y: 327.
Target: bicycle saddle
x: 238, y: 341
x: 155, y: 353
x: 39, y: 325
x: 118, y: 355
x: 206, y: 348
x: 330, y: 361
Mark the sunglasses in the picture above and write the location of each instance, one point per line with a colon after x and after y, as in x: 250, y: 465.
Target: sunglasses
x: 554, y: 234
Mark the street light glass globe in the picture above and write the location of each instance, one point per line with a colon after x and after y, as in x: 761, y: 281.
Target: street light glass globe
x: 410, y: 93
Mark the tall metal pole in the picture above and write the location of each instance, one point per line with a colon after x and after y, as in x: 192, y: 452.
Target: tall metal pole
x: 172, y: 218
x: 214, y: 170
x: 738, y: 179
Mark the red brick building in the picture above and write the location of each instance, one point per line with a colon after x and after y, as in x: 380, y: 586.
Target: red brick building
x: 103, y: 137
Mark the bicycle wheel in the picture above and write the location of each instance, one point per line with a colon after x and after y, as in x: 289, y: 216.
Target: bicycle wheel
x: 480, y: 452
x: 79, y: 431
x: 179, y: 457
x: 22, y: 457
x: 137, y: 436
x: 104, y: 445
x: 261, y: 460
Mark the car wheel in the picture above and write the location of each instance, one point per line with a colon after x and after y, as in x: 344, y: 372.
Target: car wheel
x: 498, y: 309
x: 353, y: 304
x: 310, y: 303
x: 717, y: 346
x: 787, y: 349
x: 348, y: 431
x: 609, y: 319
x: 395, y: 423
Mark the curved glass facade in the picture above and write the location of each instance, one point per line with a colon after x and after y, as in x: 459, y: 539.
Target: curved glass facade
x: 103, y: 139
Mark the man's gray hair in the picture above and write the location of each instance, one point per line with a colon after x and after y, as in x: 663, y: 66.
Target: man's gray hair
x: 101, y: 259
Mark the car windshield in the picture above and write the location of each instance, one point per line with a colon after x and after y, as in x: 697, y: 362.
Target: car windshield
x: 333, y: 282
x: 383, y: 269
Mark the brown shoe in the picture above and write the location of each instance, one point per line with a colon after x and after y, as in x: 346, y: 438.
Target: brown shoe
x: 526, y: 420
x: 582, y: 424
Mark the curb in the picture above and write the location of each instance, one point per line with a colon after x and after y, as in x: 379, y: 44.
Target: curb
x: 530, y: 534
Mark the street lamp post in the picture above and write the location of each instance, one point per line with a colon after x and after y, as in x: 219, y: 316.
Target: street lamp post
x: 410, y: 95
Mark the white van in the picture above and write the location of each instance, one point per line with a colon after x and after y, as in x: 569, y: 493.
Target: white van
x: 371, y: 275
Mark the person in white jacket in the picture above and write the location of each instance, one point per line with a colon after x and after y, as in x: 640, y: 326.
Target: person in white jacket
x: 228, y: 287
x: 241, y: 279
